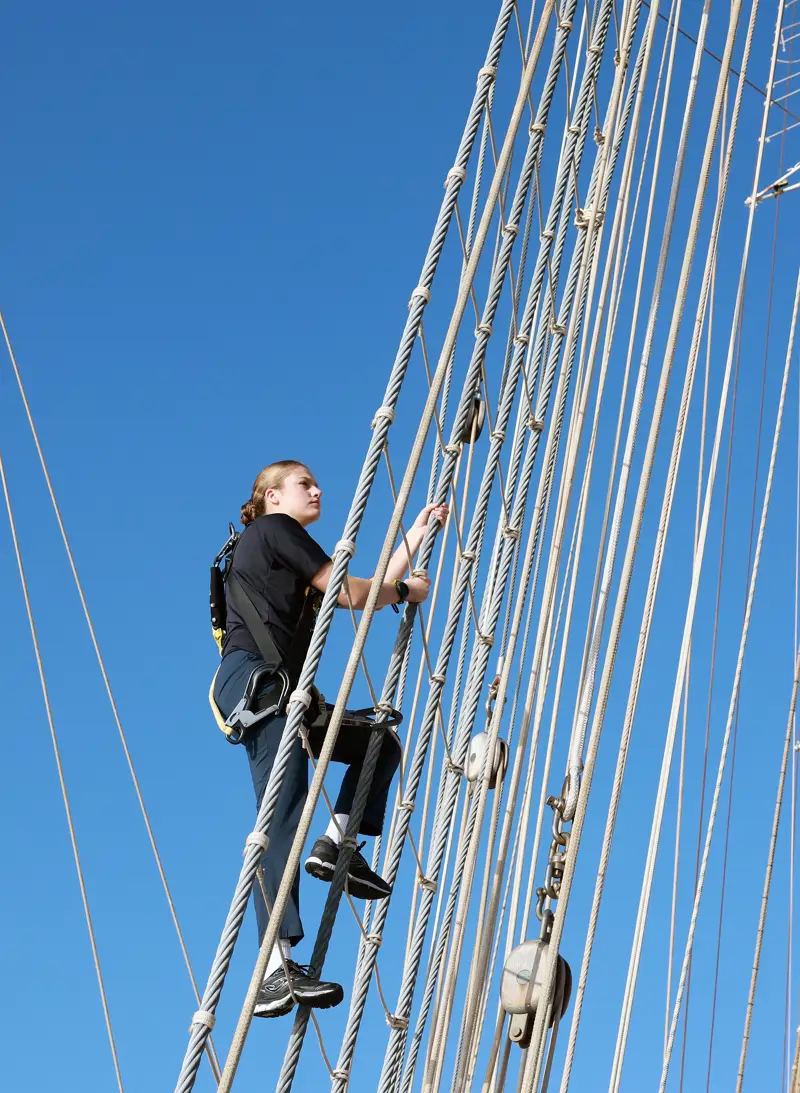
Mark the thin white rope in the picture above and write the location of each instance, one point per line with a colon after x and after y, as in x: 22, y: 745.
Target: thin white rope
x: 61, y: 777
x: 212, y: 1057
x: 751, y: 994
x: 734, y: 692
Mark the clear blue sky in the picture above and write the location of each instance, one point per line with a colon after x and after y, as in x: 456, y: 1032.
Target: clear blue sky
x: 212, y: 221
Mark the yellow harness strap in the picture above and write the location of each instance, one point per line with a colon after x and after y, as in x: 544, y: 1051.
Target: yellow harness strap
x: 220, y: 720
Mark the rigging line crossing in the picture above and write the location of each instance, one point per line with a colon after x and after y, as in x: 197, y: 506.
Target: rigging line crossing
x: 315, y: 649
x: 61, y: 777
x: 420, y: 297
x: 626, y: 574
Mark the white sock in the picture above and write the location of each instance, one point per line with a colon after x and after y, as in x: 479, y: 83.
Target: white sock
x: 282, y: 946
x: 333, y: 831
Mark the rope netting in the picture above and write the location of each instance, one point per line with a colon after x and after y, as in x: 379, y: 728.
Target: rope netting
x: 568, y: 380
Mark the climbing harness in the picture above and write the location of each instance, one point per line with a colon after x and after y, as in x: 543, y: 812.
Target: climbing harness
x: 260, y: 701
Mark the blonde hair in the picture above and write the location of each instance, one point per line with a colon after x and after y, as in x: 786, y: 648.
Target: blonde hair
x: 271, y: 478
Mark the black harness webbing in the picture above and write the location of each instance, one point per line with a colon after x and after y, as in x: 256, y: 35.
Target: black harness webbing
x: 252, y: 620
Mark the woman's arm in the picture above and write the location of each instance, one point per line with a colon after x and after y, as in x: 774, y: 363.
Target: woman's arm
x: 418, y: 587
x: 359, y: 589
x: 398, y: 564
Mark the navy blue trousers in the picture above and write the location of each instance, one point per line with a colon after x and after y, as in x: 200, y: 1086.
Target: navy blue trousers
x: 262, y: 745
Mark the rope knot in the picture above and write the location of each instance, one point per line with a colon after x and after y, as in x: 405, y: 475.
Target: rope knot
x: 420, y: 572
x: 456, y: 172
x: 536, y: 424
x: 346, y: 546
x: 393, y: 1021
x: 522, y: 340
x: 406, y: 806
x: 483, y: 328
x: 257, y: 838
x: 302, y: 698
x: 538, y: 127
x: 383, y: 411
x: 438, y: 677
x: 487, y: 70
x: 511, y: 229
x: 485, y: 639
x: 499, y: 435
x: 204, y: 1017
x: 453, y: 449
x: 511, y: 532
x: 421, y: 291
x: 468, y: 555
x: 375, y: 939
x: 427, y: 884
x: 348, y: 842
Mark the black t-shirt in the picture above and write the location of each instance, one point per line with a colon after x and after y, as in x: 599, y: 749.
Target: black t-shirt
x: 276, y: 558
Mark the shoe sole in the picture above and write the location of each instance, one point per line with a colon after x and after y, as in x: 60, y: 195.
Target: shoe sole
x: 280, y: 1011
x: 360, y: 889
x: 325, y: 1002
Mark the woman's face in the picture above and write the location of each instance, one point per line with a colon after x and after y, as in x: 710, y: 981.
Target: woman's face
x: 299, y: 497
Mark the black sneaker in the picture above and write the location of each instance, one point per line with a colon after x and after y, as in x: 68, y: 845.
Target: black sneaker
x: 362, y: 882
x: 279, y: 994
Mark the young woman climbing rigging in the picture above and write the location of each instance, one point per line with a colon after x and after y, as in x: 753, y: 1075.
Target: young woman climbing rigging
x: 276, y: 562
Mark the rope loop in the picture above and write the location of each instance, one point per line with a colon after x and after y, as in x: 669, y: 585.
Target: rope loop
x: 393, y: 1021
x: 483, y: 328
x: 343, y: 1074
x: 257, y: 838
x: 511, y: 532
x: 383, y: 411
x: 468, y: 556
x: 499, y: 435
x: 548, y: 234
x: 455, y: 172
x: 535, y: 424
x: 406, y: 806
x: 421, y: 291
x: 487, y: 70
x: 384, y: 707
x: 453, y: 449
x: 302, y: 698
x: 565, y: 24
x: 538, y: 127
x: 374, y: 939
x: 511, y: 229
x: 204, y: 1017
x: 438, y: 677
x: 347, y: 546
x: 522, y: 340
x: 574, y: 129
